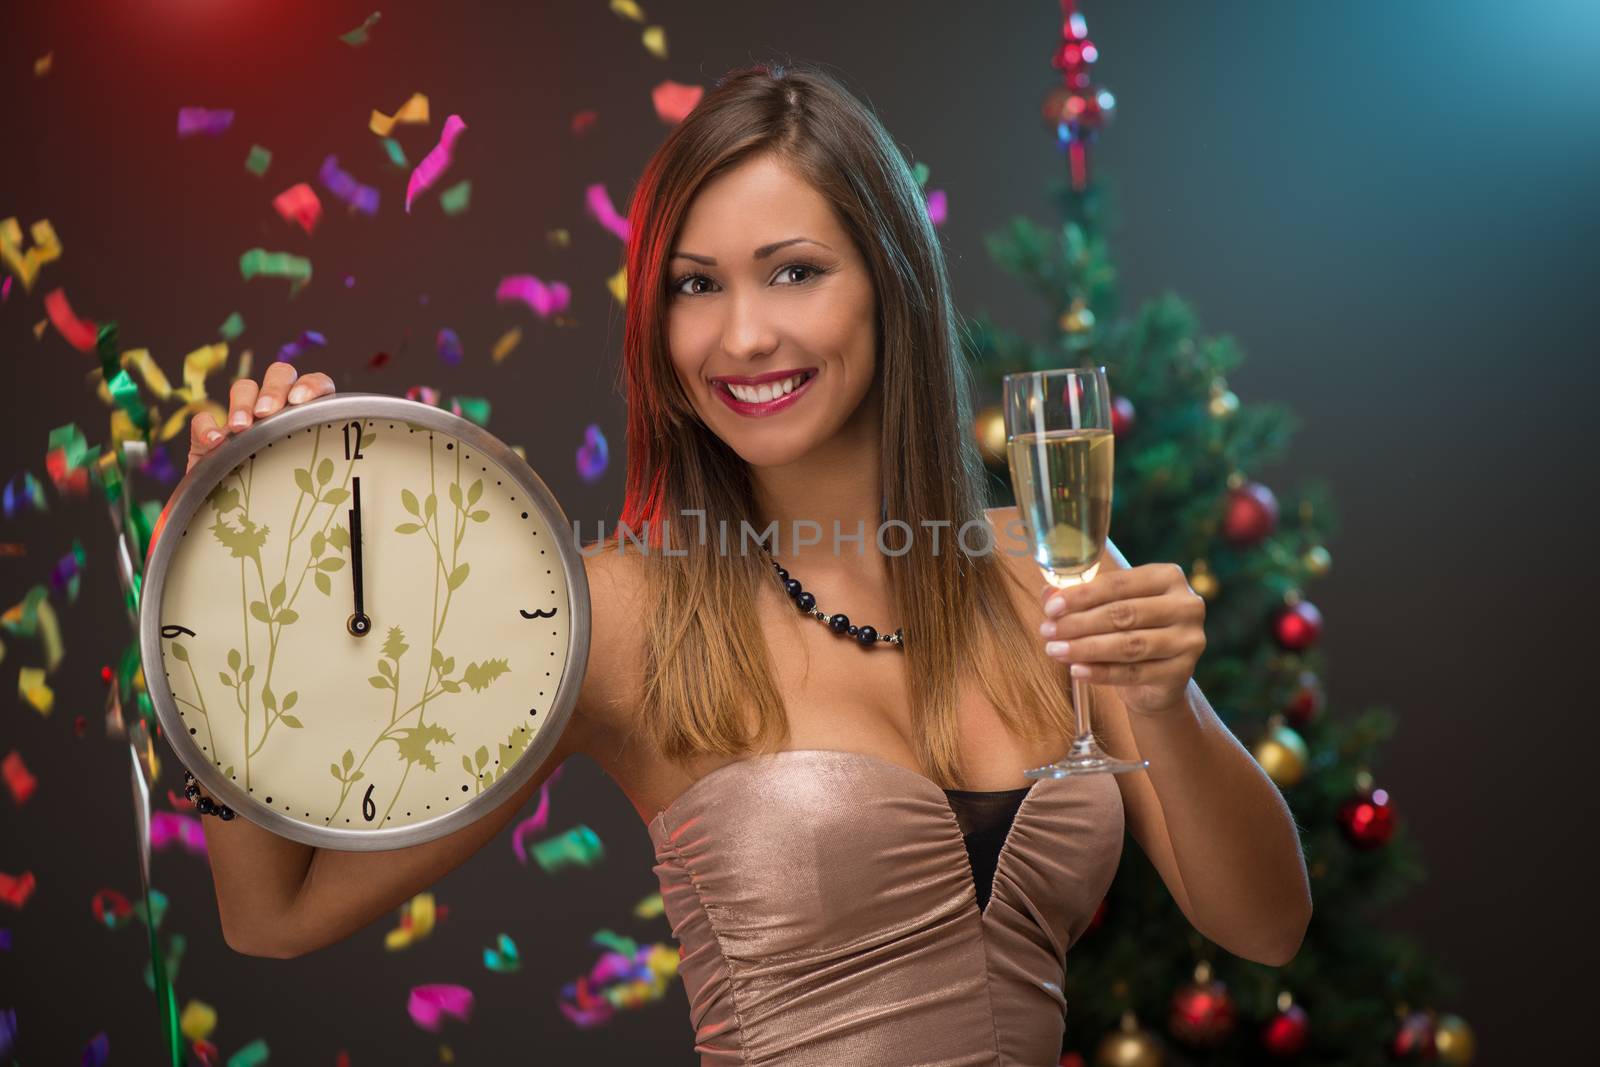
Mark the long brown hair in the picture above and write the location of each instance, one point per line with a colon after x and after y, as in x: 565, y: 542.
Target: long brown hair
x: 702, y: 674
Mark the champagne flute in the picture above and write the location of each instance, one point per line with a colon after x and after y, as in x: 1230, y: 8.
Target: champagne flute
x: 1060, y: 448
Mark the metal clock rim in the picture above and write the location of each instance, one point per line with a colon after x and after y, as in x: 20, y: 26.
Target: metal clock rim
x: 193, y: 490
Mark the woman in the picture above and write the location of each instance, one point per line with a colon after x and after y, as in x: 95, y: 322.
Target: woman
x: 849, y: 854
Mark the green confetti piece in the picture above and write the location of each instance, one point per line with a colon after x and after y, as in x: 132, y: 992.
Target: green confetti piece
x: 275, y: 264
x: 454, y: 199
x: 358, y: 36
x: 252, y: 1055
x: 232, y: 327
x: 258, y: 160
x: 920, y: 172
x: 475, y: 408
x: 396, y: 156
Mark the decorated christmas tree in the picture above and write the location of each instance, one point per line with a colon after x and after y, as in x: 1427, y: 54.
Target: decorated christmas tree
x: 1143, y: 987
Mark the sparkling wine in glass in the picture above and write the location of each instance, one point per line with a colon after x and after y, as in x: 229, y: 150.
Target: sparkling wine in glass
x: 1060, y: 448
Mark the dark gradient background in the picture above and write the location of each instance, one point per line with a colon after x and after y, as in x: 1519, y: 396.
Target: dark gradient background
x: 1391, y: 206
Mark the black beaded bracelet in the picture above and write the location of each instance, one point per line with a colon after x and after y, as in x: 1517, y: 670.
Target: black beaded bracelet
x: 204, y: 804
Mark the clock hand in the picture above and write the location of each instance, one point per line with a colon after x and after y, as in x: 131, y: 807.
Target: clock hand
x: 359, y: 625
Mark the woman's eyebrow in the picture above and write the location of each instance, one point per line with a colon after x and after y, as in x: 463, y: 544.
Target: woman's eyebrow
x: 761, y: 253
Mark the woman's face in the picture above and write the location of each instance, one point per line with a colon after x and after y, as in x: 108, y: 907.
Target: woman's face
x: 765, y: 290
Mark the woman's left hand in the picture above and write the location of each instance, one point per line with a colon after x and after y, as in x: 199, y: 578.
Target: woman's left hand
x: 1138, y: 629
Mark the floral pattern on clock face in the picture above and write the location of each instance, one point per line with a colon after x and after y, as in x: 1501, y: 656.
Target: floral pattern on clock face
x: 429, y: 705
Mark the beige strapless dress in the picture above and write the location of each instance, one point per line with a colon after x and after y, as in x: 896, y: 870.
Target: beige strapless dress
x: 825, y: 908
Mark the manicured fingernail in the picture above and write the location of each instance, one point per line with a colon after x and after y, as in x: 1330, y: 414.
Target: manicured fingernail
x: 1080, y: 670
x: 1054, y: 606
x: 264, y: 405
x: 213, y: 436
x: 239, y: 419
x: 1047, y: 629
x: 1056, y: 648
x: 297, y: 394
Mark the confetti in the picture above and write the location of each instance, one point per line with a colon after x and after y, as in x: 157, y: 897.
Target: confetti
x: 168, y: 827
x: 16, y: 889
x: 627, y: 9
x: 79, y: 333
x: 673, y: 100
x: 598, y: 202
x: 655, y: 41
x: 429, y: 1003
x: 454, y: 200
x: 582, y: 121
x: 358, y: 36
x: 545, y: 299
x: 592, y: 454
x: 299, y: 204
x: 289, y: 352
x: 258, y: 160
x: 32, y: 493
x: 618, y: 284
x: 417, y: 918
x: 449, y: 346
x: 193, y: 120
x: 19, y: 780
x: 231, y: 327
x: 579, y: 846
x: 938, y: 207
x: 503, y: 958
x: 396, y: 156
x: 198, y: 1020
x: 41, y: 66
x: 425, y: 394
x: 252, y: 1055
x: 362, y: 198
x: 25, y: 265
x: 67, y: 572
x: 436, y: 161
x: 475, y: 408
x: 558, y: 239
x: 508, y: 341
x: 413, y: 110
x: 276, y: 265
x: 97, y: 1051
x: 379, y: 360
x: 32, y: 688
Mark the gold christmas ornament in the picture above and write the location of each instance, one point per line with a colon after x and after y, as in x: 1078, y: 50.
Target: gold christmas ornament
x: 1317, y: 560
x: 1223, y: 401
x: 1203, y: 582
x: 1281, y: 753
x: 1129, y: 1046
x: 989, y: 427
x: 1452, y: 1037
x: 1078, y: 318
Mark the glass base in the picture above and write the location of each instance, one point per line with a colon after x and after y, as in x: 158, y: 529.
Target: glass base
x: 1086, y: 757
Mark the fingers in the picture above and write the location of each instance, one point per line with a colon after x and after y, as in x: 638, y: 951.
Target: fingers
x: 274, y: 387
x: 309, y: 387
x: 1119, y: 615
x: 203, y: 437
x: 241, y: 399
x: 1131, y: 647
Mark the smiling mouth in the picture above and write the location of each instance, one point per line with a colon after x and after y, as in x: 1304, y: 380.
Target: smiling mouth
x: 757, y: 396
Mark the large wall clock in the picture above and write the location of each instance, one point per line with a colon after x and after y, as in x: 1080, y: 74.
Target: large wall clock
x: 364, y: 622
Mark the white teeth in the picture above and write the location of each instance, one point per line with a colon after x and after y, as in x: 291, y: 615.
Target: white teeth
x: 760, y: 394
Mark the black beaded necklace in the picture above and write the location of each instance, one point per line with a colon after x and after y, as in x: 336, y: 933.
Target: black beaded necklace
x: 838, y: 623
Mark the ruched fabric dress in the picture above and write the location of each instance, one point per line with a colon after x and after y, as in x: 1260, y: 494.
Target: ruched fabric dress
x: 828, y: 912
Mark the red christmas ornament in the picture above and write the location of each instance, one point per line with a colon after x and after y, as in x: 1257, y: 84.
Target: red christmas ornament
x: 1368, y: 819
x: 1285, y: 1033
x: 1298, y: 626
x: 1250, y: 516
x: 1202, y: 1012
x: 1413, y: 1041
x: 1122, y: 416
x: 1307, y: 701
x: 1076, y: 110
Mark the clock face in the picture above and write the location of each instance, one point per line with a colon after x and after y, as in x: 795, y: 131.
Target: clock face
x: 401, y: 712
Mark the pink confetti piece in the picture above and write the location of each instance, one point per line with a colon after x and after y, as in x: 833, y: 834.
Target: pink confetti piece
x: 582, y: 121
x: 938, y: 207
x: 545, y: 299
x: 674, y: 100
x: 426, y: 394
x: 5, y: 289
x: 193, y: 120
x: 599, y: 205
x: 428, y: 1004
x: 436, y: 161
x: 299, y: 204
x: 167, y: 827
x: 534, y: 823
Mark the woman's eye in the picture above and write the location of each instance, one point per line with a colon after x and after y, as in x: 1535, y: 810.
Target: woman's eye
x: 811, y: 271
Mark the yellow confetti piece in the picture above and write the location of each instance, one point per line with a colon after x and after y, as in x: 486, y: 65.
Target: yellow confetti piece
x: 419, y: 915
x: 243, y: 370
x: 198, y: 1020
x: 41, y: 66
x: 179, y: 420
x: 558, y: 238
x: 32, y: 688
x: 413, y: 110
x: 154, y: 379
x: 650, y: 907
x: 39, y: 327
x: 122, y: 431
x: 25, y: 265
x: 507, y: 342
x: 655, y: 39
x: 50, y: 635
x: 627, y: 9
x: 197, y: 365
x: 618, y: 284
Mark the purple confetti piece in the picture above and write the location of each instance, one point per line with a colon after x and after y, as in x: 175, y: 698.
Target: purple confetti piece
x: 362, y: 198
x: 436, y: 161
x: 193, y: 120
x: 599, y: 204
x: 159, y: 466
x: 545, y: 298
x: 592, y: 455
x: 290, y: 351
x: 449, y: 345
x: 938, y: 207
x: 97, y: 1051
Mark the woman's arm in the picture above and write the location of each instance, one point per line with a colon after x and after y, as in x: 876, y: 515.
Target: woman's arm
x: 1213, y: 823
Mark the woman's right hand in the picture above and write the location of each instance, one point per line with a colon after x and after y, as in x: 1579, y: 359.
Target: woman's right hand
x: 280, y: 387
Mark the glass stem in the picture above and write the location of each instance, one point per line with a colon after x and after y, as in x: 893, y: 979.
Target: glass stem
x: 1080, y: 698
